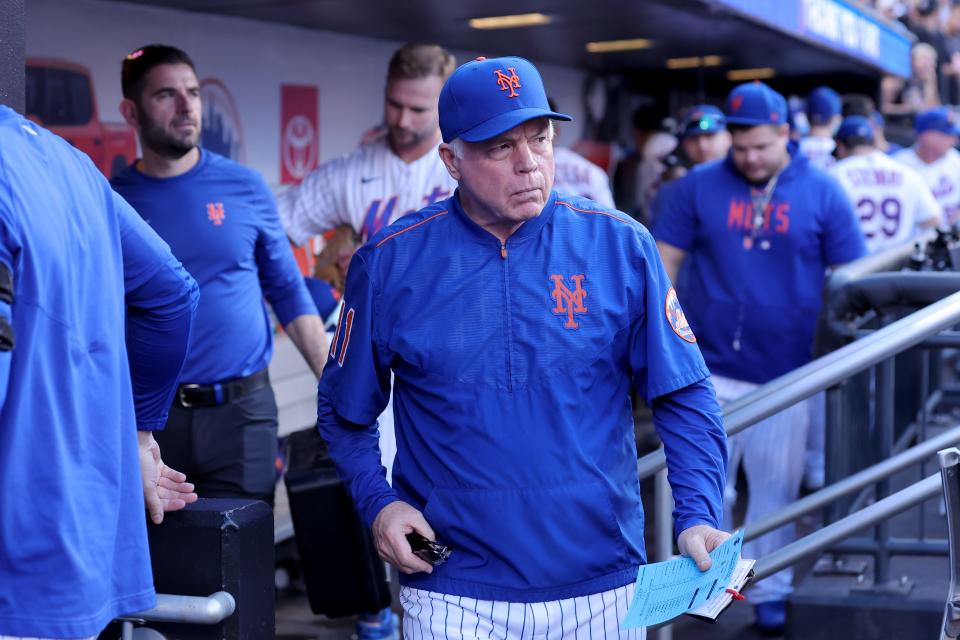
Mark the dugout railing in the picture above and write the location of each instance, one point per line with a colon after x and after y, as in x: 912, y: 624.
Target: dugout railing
x: 930, y: 327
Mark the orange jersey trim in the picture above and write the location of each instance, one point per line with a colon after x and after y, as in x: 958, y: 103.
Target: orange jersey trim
x: 413, y: 226
x: 599, y: 213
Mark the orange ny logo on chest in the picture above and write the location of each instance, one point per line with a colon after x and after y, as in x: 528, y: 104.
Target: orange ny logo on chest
x: 215, y: 213
x: 568, y: 302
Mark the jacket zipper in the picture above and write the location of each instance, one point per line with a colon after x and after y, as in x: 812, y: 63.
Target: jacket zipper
x: 508, y: 337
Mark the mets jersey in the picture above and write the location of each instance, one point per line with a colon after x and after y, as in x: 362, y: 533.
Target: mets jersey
x: 513, y: 364
x: 942, y: 176
x: 819, y: 151
x: 578, y: 176
x: 892, y: 200
x: 367, y: 189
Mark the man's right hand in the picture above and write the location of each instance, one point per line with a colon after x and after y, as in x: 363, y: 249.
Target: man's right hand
x: 390, y: 529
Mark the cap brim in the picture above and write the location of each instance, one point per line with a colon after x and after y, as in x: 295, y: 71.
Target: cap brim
x: 505, y: 121
x: 756, y: 122
x: 697, y: 131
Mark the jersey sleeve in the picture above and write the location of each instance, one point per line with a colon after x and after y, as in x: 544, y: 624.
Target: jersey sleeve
x: 670, y: 373
x: 674, y: 213
x: 600, y: 187
x: 663, y: 352
x: 317, y: 204
x: 280, y: 278
x: 842, y: 239
x: 353, y: 391
x: 927, y: 207
x: 689, y: 422
x: 161, y: 298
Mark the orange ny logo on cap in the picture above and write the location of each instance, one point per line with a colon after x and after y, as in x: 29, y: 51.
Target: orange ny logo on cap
x: 735, y: 102
x: 508, y: 82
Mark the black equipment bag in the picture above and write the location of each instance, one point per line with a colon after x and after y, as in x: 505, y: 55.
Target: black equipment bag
x: 341, y: 568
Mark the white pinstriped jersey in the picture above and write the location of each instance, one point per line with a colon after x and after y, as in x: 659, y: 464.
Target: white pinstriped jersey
x: 819, y: 151
x: 579, y: 177
x: 891, y: 199
x: 367, y: 189
x: 942, y: 176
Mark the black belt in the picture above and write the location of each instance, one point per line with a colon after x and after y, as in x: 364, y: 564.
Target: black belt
x: 211, y: 395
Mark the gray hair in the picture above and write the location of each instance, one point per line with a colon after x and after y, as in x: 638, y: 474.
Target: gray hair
x: 457, y: 144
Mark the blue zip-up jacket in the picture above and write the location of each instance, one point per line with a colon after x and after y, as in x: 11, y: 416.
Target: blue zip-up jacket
x: 513, y: 365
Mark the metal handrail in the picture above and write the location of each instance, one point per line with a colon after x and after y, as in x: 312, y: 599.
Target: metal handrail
x: 861, y: 479
x: 826, y: 537
x: 212, y: 609
x: 827, y: 371
x: 950, y: 471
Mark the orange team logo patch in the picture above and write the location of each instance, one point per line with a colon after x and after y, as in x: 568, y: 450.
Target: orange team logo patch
x: 735, y: 102
x: 509, y: 82
x: 676, y: 317
x: 215, y: 213
x: 569, y: 302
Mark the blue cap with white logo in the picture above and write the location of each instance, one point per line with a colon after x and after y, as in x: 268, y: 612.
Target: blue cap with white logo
x: 703, y: 118
x: 754, y: 104
x: 486, y: 97
x: 823, y: 104
x: 939, y: 119
x: 855, y: 127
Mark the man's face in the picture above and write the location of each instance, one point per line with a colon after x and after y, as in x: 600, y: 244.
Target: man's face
x: 759, y: 151
x: 705, y: 147
x: 506, y: 180
x: 410, y: 111
x: 935, y: 144
x: 169, y: 110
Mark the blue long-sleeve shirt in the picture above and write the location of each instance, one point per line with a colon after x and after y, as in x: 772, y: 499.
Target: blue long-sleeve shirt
x: 73, y: 543
x: 512, y: 368
x: 220, y: 220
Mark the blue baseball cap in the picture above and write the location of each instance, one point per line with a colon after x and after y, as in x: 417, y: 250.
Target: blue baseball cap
x: 855, y: 127
x: 703, y: 118
x: 486, y: 97
x: 754, y: 104
x: 823, y: 103
x: 939, y: 119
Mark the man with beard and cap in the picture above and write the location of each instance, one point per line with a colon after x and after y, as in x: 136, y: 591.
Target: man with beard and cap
x: 515, y: 321
x: 220, y: 220
x: 391, y: 174
x: 759, y: 230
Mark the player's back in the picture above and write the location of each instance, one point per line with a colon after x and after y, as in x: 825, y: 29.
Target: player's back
x: 67, y: 243
x: 67, y: 446
x: 891, y: 199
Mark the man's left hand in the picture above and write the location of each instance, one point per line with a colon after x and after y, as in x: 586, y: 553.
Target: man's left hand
x: 164, y: 489
x: 698, y: 541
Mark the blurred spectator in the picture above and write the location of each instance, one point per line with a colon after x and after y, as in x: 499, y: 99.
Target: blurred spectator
x: 703, y: 134
x: 576, y: 175
x: 880, y: 137
x: 858, y: 104
x: 934, y: 157
x: 916, y: 93
x: 823, y: 112
x: 656, y: 153
x: 627, y: 191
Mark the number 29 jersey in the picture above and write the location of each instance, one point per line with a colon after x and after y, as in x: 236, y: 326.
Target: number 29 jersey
x: 892, y: 201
